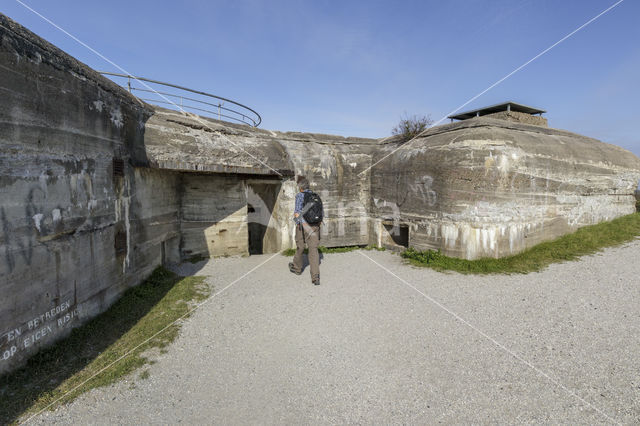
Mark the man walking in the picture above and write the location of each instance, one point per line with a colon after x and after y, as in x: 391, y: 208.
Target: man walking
x: 308, y: 217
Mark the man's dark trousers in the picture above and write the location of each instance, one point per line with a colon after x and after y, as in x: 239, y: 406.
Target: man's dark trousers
x: 311, y: 236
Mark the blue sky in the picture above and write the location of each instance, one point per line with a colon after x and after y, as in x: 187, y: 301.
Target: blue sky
x: 353, y: 68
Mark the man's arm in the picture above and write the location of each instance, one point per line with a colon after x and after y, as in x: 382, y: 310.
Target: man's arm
x: 298, y: 205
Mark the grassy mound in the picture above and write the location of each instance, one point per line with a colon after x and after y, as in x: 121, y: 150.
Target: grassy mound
x: 586, y: 240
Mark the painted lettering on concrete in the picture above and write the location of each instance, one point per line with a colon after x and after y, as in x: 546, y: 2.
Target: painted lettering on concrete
x: 39, y: 328
x: 41, y: 319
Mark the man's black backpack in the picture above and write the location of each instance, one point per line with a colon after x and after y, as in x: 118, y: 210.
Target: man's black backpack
x: 312, y: 208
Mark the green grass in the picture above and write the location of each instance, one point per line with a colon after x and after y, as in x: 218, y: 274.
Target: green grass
x: 586, y: 240
x: 322, y: 249
x: 197, y: 258
x: 139, y: 314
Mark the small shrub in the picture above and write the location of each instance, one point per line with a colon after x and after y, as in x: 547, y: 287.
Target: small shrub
x: 411, y: 126
x: 289, y: 252
x: 426, y: 257
x: 196, y: 258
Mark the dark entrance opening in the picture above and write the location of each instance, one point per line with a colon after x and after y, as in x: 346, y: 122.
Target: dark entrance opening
x: 399, y: 234
x: 261, y: 198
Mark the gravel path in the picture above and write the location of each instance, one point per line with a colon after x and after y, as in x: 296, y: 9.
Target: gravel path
x: 560, y: 346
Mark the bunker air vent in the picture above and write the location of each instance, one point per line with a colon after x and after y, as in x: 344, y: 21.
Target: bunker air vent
x: 120, y: 243
x: 118, y: 167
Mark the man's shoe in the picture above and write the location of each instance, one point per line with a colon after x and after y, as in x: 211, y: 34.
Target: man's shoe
x: 316, y: 281
x: 292, y: 269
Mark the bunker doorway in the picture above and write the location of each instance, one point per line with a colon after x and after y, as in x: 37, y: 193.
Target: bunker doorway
x: 262, y: 224
x: 397, y: 235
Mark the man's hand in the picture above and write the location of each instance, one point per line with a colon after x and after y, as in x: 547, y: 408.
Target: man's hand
x: 296, y: 215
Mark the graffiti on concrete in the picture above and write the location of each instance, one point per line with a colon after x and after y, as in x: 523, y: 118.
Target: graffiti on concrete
x: 41, y: 327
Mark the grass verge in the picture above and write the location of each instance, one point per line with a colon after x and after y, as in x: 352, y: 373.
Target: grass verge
x: 586, y: 240
x: 197, y: 258
x: 323, y: 249
x: 141, y: 312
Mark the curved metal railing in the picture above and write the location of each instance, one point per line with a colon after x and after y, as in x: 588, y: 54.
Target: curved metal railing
x: 189, y: 102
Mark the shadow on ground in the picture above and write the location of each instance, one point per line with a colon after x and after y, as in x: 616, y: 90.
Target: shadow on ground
x: 305, y: 260
x: 37, y: 383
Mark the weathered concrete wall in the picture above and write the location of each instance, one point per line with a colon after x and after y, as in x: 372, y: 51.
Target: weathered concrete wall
x: 501, y: 187
x: 333, y: 165
x: 154, y: 222
x: 78, y: 228
x: 186, y: 142
x: 61, y: 207
x: 334, y: 169
x: 270, y: 220
x: 214, y: 216
x: 485, y: 187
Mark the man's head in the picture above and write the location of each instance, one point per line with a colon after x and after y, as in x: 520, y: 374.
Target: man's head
x: 303, y: 183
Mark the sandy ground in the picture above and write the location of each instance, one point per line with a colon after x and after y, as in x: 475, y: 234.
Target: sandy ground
x: 382, y: 342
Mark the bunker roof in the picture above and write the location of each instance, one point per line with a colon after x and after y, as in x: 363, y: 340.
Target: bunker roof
x: 505, y: 106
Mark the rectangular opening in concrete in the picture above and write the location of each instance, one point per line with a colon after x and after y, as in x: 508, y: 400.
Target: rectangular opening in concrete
x: 120, y: 243
x: 118, y: 167
x: 261, y: 199
x: 398, y: 233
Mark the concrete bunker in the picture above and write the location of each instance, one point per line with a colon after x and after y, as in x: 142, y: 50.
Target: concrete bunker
x: 509, y: 111
x: 79, y: 228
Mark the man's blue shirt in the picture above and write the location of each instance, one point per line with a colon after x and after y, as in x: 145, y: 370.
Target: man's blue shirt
x: 299, y: 206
